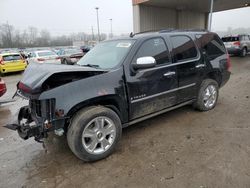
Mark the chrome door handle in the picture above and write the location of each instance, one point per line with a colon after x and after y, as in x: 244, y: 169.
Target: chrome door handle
x: 169, y: 73
x: 200, y: 65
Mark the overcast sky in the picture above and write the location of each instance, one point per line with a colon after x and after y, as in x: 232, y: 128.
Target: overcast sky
x: 69, y: 16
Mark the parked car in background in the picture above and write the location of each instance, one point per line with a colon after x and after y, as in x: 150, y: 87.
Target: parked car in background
x: 119, y: 83
x: 11, y: 62
x: 237, y: 45
x: 70, y: 56
x: 85, y: 49
x: 3, y: 88
x: 43, y: 56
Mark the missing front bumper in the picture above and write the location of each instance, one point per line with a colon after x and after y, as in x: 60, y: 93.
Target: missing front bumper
x: 26, y: 126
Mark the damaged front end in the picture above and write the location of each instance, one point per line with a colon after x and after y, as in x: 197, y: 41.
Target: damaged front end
x: 37, y: 119
x: 48, y: 88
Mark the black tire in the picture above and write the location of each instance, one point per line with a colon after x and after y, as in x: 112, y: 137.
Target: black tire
x: 65, y: 62
x: 243, y: 52
x: 78, y: 125
x: 200, y: 103
x: 2, y: 74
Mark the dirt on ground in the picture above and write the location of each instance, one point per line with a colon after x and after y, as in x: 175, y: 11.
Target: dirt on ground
x: 181, y: 149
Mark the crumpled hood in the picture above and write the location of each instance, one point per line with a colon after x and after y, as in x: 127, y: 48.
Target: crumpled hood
x: 36, y: 74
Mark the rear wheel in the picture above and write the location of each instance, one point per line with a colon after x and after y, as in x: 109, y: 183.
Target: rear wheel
x: 65, y: 62
x: 94, y: 132
x: 207, y: 96
x: 243, y: 52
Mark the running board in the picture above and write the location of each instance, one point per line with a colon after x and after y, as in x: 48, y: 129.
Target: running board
x: 157, y: 113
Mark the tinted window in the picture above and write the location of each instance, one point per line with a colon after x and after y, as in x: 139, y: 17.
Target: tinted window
x: 230, y: 39
x: 12, y: 57
x: 155, y: 48
x: 183, y: 48
x: 212, y: 45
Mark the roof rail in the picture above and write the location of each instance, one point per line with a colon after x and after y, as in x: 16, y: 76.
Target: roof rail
x: 166, y: 31
x: 149, y: 31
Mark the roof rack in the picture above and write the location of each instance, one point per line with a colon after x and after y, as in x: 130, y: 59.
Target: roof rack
x: 171, y: 30
x: 143, y: 32
x: 166, y: 31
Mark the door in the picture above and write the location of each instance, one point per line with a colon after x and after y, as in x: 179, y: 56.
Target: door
x: 153, y: 89
x: 188, y: 64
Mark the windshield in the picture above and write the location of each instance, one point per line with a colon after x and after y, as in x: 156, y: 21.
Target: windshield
x: 72, y: 51
x: 46, y: 53
x: 107, y: 55
x: 12, y: 57
x: 230, y: 39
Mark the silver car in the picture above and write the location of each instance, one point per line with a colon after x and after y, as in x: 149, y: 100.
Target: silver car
x: 237, y: 45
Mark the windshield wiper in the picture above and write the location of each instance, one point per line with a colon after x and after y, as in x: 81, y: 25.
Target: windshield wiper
x: 91, y: 65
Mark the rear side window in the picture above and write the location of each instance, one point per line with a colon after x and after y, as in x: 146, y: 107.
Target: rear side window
x: 183, y: 48
x: 211, y: 45
x: 230, y: 39
x: 155, y: 48
x: 12, y: 57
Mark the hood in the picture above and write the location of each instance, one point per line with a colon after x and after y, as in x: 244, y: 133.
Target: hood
x: 36, y: 75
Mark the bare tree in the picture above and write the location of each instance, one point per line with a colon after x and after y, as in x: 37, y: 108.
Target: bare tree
x: 6, y: 32
x: 32, y: 32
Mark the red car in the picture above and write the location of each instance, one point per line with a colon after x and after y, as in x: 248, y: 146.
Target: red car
x: 2, y: 87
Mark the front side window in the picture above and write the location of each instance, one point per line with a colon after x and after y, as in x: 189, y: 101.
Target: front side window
x: 154, y: 48
x: 183, y: 48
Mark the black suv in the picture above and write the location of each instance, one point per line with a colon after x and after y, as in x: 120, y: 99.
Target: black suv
x: 119, y: 83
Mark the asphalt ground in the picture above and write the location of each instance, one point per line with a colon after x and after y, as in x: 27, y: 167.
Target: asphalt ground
x: 181, y: 148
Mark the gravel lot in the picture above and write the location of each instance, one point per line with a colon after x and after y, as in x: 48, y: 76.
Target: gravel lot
x: 182, y: 148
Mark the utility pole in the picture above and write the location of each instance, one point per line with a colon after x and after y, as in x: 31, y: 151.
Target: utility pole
x: 93, y: 36
x: 97, y: 15
x: 211, y: 15
x: 111, y: 28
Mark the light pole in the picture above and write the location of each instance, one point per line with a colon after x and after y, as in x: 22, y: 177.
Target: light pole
x: 211, y: 15
x: 111, y: 28
x: 97, y: 8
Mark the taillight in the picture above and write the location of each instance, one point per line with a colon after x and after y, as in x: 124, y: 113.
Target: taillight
x: 58, y: 58
x: 1, y: 62
x: 40, y: 59
x: 229, y: 65
x: 237, y: 43
x: 23, y: 87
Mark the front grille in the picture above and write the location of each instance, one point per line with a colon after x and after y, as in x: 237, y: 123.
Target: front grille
x: 36, y: 107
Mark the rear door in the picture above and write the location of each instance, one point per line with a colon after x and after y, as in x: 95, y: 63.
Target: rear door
x: 153, y: 89
x: 189, y: 65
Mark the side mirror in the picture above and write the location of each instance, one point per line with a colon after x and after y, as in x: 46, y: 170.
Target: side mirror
x: 144, y: 63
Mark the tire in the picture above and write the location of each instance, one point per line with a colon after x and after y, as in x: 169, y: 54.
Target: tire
x: 243, y: 52
x: 65, y: 62
x: 85, y: 137
x: 207, y: 99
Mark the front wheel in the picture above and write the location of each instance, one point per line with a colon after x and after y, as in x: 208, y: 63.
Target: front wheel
x: 94, y: 132
x: 207, y: 96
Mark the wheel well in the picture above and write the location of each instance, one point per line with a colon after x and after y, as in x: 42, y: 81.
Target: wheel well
x: 108, y: 102
x: 215, y: 76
